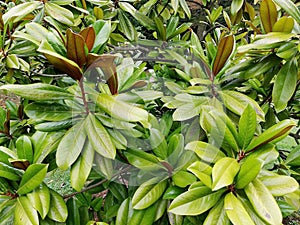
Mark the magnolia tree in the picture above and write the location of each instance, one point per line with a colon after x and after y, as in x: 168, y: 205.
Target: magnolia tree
x: 162, y: 112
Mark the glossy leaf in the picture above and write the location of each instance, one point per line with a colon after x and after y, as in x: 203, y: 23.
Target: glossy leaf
x: 40, y: 200
x: 25, y: 213
x: 236, y: 5
x: 183, y: 178
x: 32, y: 178
x: 225, y: 48
x: 205, y: 151
x: 55, y: 126
x: 24, y: 148
x: 247, y: 127
x: 123, y: 212
x: 73, y: 212
x: 223, y: 172
x: 202, y: 171
x: 284, y: 24
x: 148, y: 193
x: 263, y: 202
x: 236, y: 211
x: 248, y: 172
x: 217, y: 215
x: 268, y: 15
x: 58, y: 209
x: 285, y: 85
x: 290, y: 8
x: 293, y: 157
x: 102, y: 29
x: 6, y: 154
x: 185, y: 8
x: 75, y: 48
x: 89, y: 37
x: 60, y: 62
x: 71, y: 146
x: 38, y: 91
x: 82, y: 167
x: 9, y: 172
x: 126, y: 26
x: 272, y: 134
x: 195, y: 201
x: 59, y: 13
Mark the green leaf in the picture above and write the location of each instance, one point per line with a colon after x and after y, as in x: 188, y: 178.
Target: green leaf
x: 59, y: 13
x: 25, y: 213
x: 126, y: 27
x: 284, y: 24
x: 263, y: 202
x: 102, y: 29
x: 195, y: 201
x: 236, y: 211
x: 104, y: 166
x: 73, y: 212
x: 6, y: 154
x: 202, y: 171
x: 148, y: 193
x: 9, y: 172
x: 71, y: 145
x: 58, y: 209
x: 38, y: 91
x: 32, y: 178
x: 40, y: 200
x: 183, y: 178
x: 99, y: 138
x: 37, y: 31
x: 236, y: 5
x: 60, y: 62
x: 273, y: 133
x: 24, y: 148
x: 55, y: 126
x: 205, y: 151
x: 12, y: 62
x: 237, y: 102
x: 285, y: 84
x: 247, y: 127
x: 290, y: 8
x: 82, y: 167
x: 217, y: 215
x: 185, y: 8
x: 293, y: 157
x: 268, y: 14
x: 172, y: 192
x: 175, y: 4
x: 123, y: 212
x: 223, y: 172
x: 278, y: 185
x: 248, y: 172
x: 119, y: 109
x: 18, y: 12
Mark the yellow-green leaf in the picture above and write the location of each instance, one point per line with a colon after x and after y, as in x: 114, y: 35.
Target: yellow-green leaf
x: 284, y: 24
x: 268, y: 14
x: 59, y: 13
x: 25, y: 213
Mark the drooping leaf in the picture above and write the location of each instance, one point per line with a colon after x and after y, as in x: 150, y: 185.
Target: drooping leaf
x: 99, y: 138
x: 236, y: 211
x: 38, y: 91
x: 25, y: 213
x: 263, y: 202
x: 247, y: 127
x: 285, y: 84
x: 58, y: 209
x: 223, y: 172
x: 290, y: 8
x: 273, y: 133
x: 60, y: 62
x: 195, y: 201
x: 284, y: 24
x: 40, y: 200
x: 89, y: 37
x: 82, y: 167
x: 268, y: 14
x: 225, y: 48
x: 75, y: 48
x: 32, y: 178
x: 71, y: 146
x: 148, y: 193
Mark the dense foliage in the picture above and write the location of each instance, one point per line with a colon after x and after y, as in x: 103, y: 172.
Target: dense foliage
x: 164, y: 112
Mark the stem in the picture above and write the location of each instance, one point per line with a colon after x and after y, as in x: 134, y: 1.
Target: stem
x: 97, y: 184
x: 83, y: 97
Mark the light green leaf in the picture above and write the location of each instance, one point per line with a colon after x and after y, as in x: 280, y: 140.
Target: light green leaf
x: 175, y: 4
x: 58, y: 209
x: 38, y: 91
x: 223, y: 172
x: 290, y: 8
x: 202, y: 171
x: 24, y: 148
x: 18, y: 12
x: 284, y: 24
x: 59, y: 13
x: 37, y: 31
x: 40, y: 200
x: 82, y: 167
x: 205, y: 151
x: 195, y: 201
x: 71, y: 146
x: 123, y: 212
x: 248, y: 172
x: 6, y: 154
x: 12, y: 62
x: 236, y: 5
x: 236, y: 211
x: 185, y: 8
x: 217, y: 215
x: 274, y: 133
x: 183, y: 178
x: 9, y: 172
x: 278, y: 185
x: 247, y: 127
x: 25, y: 213
x: 293, y: 157
x: 32, y: 178
x: 99, y: 138
x: 126, y: 27
x: 148, y: 193
x: 285, y: 84
x: 103, y: 166
x: 263, y: 202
